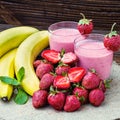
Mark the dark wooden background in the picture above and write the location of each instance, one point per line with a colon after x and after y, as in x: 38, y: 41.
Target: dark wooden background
x: 42, y: 13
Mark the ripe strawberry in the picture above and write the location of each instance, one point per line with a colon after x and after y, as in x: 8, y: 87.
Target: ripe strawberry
x: 46, y: 81
x: 72, y: 103
x: 62, y: 69
x: 36, y: 63
x: 69, y: 58
x: 112, y: 40
x: 85, y: 26
x: 52, y: 56
x: 96, y: 97
x: 61, y: 82
x: 56, y: 100
x: 43, y: 68
x: 82, y: 93
x: 39, y: 98
x: 76, y: 74
x: 91, y: 80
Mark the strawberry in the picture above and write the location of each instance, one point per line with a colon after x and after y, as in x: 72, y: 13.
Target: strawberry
x: 56, y: 100
x: 39, y: 98
x: 76, y: 74
x: 96, y: 97
x: 52, y: 56
x: 46, y: 81
x: 43, y: 68
x: 85, y: 26
x: 62, y: 69
x: 61, y: 82
x: 36, y: 63
x: 112, y: 40
x: 69, y: 58
x: 72, y: 103
x: 91, y: 80
x: 82, y: 93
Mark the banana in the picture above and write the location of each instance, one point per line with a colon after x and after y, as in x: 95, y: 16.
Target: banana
x: 7, y: 69
x: 26, y: 54
x: 12, y: 37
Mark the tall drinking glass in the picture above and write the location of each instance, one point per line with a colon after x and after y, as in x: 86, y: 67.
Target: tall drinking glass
x: 62, y: 35
x: 92, y: 54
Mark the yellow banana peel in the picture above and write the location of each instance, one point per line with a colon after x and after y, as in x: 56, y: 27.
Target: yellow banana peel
x: 12, y: 37
x: 7, y: 69
x: 26, y: 54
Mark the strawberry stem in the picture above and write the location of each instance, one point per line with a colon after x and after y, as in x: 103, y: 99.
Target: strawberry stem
x: 52, y: 73
x: 92, y: 70
x: 112, y: 27
x: 62, y: 52
x: 112, y: 33
x: 107, y: 83
x: 82, y: 99
x: 83, y: 15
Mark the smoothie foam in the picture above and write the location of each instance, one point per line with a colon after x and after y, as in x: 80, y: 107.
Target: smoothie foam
x: 63, y: 38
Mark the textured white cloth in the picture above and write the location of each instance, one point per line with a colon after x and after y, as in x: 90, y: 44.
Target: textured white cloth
x: 109, y: 110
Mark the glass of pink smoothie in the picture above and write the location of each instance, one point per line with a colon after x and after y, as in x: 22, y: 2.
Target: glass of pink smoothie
x: 62, y: 35
x: 92, y: 54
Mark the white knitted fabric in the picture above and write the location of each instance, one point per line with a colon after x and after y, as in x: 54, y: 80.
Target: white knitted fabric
x: 109, y: 110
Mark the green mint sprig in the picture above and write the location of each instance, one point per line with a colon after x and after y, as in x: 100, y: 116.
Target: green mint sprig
x: 20, y: 74
x: 10, y: 81
x: 21, y: 97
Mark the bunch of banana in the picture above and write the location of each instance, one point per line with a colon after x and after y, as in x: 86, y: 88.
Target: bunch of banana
x: 12, y: 37
x: 28, y: 42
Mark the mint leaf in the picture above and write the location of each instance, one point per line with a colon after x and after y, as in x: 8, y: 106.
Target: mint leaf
x: 20, y: 74
x: 9, y: 80
x: 21, y: 97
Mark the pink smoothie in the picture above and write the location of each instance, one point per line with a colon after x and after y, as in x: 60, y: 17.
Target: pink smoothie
x: 95, y: 55
x: 63, y: 38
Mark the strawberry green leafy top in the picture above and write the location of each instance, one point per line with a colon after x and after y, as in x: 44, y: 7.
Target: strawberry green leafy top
x: 84, y: 20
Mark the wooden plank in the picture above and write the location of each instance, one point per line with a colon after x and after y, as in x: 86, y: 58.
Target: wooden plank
x: 45, y: 12
x: 8, y: 16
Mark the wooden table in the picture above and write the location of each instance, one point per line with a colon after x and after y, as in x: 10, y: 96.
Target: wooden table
x: 116, y: 55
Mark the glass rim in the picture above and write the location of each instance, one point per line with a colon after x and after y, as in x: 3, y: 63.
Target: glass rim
x: 90, y: 40
x: 61, y: 22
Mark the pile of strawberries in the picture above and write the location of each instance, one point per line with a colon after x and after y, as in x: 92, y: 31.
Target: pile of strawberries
x: 65, y: 86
